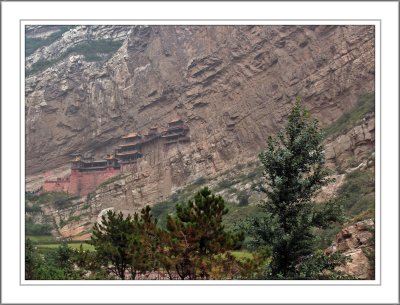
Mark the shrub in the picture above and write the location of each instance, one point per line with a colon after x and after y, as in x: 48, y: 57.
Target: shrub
x: 73, y: 218
x: 161, y: 210
x: 37, y: 229
x: 29, y: 196
x: 91, y: 195
x: 224, y: 184
x: 358, y: 193
x: 200, y: 180
x: 61, y: 200
x: 34, y: 208
x: 243, y: 198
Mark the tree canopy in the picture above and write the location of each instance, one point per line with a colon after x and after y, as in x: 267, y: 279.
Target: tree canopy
x: 294, y: 164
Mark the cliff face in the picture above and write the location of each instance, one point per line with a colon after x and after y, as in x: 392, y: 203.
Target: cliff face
x: 352, y: 146
x: 232, y: 85
x: 357, y: 242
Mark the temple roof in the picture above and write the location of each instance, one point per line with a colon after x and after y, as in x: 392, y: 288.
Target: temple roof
x: 129, y: 144
x: 133, y: 152
x: 95, y: 161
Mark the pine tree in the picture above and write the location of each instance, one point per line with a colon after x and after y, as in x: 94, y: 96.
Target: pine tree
x: 196, y: 237
x: 129, y: 244
x: 146, y: 250
x: 113, y: 239
x: 32, y: 260
x: 294, y: 164
x: 62, y: 258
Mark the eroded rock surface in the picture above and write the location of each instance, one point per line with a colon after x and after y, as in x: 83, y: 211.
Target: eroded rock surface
x: 357, y: 242
x: 232, y: 85
x: 353, y: 145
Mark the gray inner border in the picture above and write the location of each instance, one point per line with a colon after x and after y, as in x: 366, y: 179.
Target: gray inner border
x: 206, y: 283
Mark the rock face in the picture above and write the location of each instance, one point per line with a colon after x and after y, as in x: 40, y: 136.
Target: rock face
x: 232, y: 85
x: 357, y: 242
x: 354, y: 145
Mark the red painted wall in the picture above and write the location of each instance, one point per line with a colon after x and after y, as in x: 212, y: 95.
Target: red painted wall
x: 82, y: 183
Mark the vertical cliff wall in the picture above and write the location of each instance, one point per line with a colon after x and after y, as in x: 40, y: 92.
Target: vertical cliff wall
x: 232, y: 85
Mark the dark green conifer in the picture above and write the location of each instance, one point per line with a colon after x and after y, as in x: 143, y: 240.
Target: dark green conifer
x: 196, y: 236
x: 295, y: 171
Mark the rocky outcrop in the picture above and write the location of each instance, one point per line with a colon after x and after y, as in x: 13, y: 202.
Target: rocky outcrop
x: 354, y: 145
x: 357, y: 242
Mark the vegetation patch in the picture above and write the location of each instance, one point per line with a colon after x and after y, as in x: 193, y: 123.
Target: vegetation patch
x: 366, y: 104
x: 237, y: 212
x: 40, y: 238
x: 242, y: 254
x: 200, y: 181
x: 92, y: 50
x: 161, y: 210
x: 37, y: 229
x: 357, y: 195
x: 243, y: 198
x: 32, y: 44
x: 75, y: 246
x: 57, y: 198
x: 225, y: 184
x: 32, y: 208
x: 74, y: 218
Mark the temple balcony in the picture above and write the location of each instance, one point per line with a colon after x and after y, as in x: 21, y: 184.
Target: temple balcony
x: 129, y: 153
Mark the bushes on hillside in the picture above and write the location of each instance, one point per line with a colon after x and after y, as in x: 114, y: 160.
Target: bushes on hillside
x: 37, y: 229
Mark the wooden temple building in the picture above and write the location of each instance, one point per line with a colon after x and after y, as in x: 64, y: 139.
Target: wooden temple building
x: 87, y: 174
x: 176, y: 132
x: 109, y: 163
x: 129, y: 151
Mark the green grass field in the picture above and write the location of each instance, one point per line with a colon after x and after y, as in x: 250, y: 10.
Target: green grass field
x: 49, y: 242
x: 76, y: 246
x: 41, y: 238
